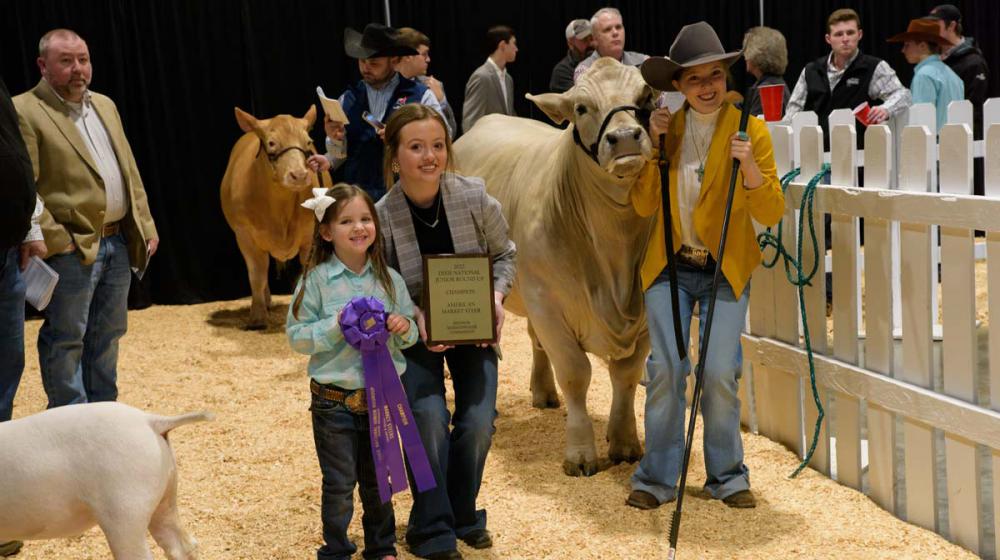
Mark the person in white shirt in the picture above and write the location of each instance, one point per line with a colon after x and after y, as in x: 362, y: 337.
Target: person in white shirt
x: 490, y: 88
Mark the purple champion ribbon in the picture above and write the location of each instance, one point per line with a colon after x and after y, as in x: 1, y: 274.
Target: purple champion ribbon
x: 363, y: 325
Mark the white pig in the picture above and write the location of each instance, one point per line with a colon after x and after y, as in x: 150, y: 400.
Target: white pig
x: 67, y: 469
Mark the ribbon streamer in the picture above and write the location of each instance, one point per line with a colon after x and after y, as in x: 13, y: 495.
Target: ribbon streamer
x: 389, y: 414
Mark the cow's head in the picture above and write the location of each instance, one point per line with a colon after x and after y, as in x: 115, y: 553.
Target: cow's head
x: 284, y: 144
x: 619, y: 144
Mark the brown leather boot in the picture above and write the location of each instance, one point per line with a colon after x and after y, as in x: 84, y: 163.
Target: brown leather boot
x: 741, y: 499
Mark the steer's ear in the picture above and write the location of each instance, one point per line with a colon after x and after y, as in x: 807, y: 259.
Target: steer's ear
x: 557, y: 106
x: 310, y: 117
x: 247, y: 122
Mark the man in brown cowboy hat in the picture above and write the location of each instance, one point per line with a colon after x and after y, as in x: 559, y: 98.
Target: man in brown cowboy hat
x: 380, y: 91
x: 933, y: 82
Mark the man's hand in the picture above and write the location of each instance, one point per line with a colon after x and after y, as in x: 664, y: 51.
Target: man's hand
x: 30, y: 249
x: 435, y: 86
x: 151, y: 246
x: 877, y: 115
x: 318, y: 163
x: 397, y: 324
x: 334, y: 129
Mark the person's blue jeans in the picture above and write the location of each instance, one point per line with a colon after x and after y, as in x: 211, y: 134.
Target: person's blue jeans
x: 345, y: 458
x: 11, y: 330
x: 457, y: 456
x: 660, y: 467
x: 88, y: 314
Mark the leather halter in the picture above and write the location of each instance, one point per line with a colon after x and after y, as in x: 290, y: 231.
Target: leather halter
x: 273, y: 158
x: 591, y: 150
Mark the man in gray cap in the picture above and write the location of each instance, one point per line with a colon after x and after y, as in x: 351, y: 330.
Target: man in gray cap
x: 580, y: 43
x: 966, y: 60
x: 609, y: 40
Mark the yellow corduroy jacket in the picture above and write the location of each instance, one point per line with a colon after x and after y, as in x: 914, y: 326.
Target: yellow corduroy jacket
x: 766, y: 204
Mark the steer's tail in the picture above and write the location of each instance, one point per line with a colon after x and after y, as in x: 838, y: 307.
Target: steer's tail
x: 163, y: 424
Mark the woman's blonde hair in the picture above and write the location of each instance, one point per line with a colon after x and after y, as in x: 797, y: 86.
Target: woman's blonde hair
x: 409, y: 113
x: 765, y: 48
x: 322, y: 249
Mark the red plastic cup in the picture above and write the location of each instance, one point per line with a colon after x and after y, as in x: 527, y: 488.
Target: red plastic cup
x: 861, y: 113
x: 771, y: 97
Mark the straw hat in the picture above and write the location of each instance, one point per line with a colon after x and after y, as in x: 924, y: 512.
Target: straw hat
x: 695, y: 44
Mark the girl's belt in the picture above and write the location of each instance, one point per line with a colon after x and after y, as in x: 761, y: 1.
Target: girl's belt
x: 354, y: 400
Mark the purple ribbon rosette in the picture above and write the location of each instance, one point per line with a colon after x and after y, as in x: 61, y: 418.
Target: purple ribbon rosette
x: 363, y: 325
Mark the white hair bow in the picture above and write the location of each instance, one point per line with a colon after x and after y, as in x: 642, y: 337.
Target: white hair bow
x: 319, y: 202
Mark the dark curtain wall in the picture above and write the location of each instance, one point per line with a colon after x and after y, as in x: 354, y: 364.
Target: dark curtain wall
x: 176, y: 69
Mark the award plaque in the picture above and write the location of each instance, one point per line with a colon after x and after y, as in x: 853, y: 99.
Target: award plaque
x: 458, y: 299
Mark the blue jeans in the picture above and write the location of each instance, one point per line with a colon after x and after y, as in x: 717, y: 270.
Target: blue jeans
x: 88, y: 314
x: 345, y: 458
x: 457, y: 456
x: 660, y: 467
x: 11, y: 330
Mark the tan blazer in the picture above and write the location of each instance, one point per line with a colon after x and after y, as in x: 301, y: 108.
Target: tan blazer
x: 68, y: 180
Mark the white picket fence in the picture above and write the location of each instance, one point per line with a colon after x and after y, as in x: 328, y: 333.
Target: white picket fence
x: 912, y: 420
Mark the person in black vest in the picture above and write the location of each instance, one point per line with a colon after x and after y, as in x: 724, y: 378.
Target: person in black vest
x: 846, y: 78
x: 20, y: 239
x: 380, y: 91
x: 966, y: 60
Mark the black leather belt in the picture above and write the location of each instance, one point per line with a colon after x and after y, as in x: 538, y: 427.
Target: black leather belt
x: 354, y: 400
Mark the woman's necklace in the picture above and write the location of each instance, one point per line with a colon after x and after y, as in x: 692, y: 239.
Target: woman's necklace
x: 437, y: 214
x: 698, y: 149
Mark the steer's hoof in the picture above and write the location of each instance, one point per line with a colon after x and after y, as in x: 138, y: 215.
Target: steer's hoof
x: 625, y: 456
x: 545, y: 400
x: 586, y: 468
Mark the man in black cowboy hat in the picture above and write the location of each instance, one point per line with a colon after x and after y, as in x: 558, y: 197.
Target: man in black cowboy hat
x: 380, y: 91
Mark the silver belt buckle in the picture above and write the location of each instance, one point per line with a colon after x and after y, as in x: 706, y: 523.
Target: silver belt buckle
x: 695, y: 256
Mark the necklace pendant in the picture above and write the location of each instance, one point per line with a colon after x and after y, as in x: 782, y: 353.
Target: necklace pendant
x: 701, y: 172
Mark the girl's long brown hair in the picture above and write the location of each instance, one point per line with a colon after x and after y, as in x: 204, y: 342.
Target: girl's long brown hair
x: 323, y: 249
x: 411, y: 112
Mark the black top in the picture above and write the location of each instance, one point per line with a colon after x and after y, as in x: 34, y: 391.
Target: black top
x: 434, y: 240
x: 767, y: 80
x: 967, y: 61
x: 17, y: 180
x: 850, y: 91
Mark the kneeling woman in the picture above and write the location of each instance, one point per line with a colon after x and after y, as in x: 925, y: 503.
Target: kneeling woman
x: 430, y: 211
x: 701, y: 141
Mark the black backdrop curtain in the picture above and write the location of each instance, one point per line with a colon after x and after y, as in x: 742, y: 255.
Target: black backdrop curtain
x: 176, y: 69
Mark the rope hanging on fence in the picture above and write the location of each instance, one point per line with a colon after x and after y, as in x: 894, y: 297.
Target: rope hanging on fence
x: 800, y: 280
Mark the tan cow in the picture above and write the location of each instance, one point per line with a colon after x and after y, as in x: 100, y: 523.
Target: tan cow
x: 579, y: 244
x: 265, y: 183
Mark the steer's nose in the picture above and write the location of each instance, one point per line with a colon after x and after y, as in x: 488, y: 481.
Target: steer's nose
x: 625, y: 140
x: 298, y: 175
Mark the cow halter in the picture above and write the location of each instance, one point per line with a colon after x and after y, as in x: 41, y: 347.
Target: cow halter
x: 591, y: 150
x: 273, y: 158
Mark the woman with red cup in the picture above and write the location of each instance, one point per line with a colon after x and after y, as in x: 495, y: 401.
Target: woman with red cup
x: 766, y: 58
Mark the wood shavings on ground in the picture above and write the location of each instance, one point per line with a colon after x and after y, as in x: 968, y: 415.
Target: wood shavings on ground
x: 250, y: 481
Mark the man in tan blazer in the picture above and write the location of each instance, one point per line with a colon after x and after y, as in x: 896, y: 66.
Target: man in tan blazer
x: 490, y: 88
x: 96, y: 220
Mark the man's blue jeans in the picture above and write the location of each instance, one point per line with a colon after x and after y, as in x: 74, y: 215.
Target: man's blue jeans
x: 660, y: 467
x: 457, y: 456
x: 88, y: 314
x: 11, y: 330
x: 345, y: 457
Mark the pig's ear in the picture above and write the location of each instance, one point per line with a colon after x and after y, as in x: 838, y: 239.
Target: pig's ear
x: 247, y: 122
x: 557, y: 106
x: 310, y: 117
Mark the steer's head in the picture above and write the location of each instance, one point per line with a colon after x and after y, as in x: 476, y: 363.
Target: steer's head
x: 284, y: 145
x: 622, y: 147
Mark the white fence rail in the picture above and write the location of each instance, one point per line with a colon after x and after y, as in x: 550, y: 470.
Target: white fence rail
x: 913, y: 415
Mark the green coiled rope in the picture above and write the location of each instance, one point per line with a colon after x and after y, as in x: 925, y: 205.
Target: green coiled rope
x: 796, y: 276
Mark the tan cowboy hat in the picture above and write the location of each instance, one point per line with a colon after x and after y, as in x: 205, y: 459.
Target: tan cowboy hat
x: 923, y: 29
x: 695, y: 44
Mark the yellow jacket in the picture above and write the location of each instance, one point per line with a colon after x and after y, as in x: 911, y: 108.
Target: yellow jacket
x: 766, y: 204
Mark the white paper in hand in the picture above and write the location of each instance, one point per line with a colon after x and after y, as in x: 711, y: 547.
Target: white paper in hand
x: 331, y: 107
x: 40, y: 280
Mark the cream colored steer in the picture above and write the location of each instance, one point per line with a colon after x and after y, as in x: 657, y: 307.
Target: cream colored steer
x: 579, y: 244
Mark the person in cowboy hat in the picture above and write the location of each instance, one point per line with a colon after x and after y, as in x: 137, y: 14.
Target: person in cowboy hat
x: 380, y: 91
x: 933, y: 81
x: 701, y: 141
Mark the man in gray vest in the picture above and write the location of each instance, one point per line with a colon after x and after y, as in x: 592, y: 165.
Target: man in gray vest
x: 581, y: 44
x: 609, y: 40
